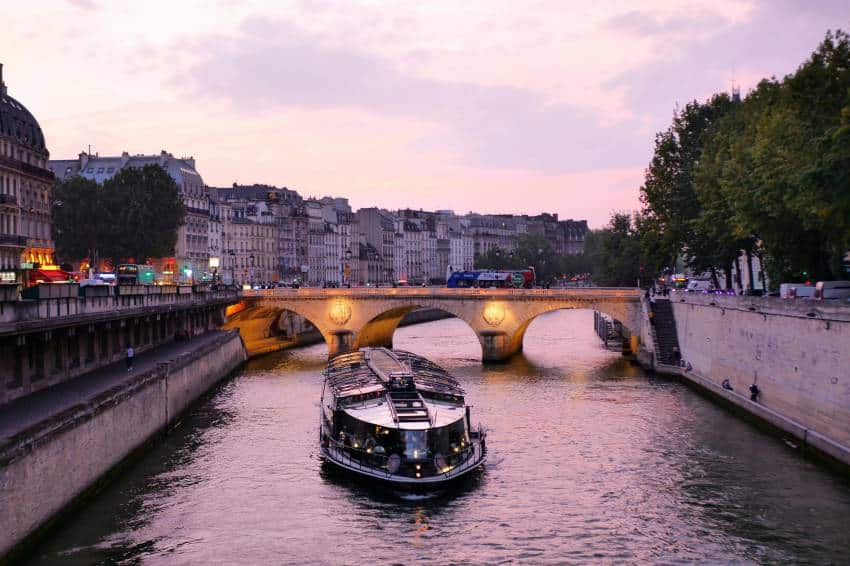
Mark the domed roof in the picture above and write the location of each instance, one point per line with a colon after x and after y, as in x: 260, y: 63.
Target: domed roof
x: 17, y: 122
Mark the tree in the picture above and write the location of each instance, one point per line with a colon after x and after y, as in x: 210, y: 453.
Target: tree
x: 135, y: 215
x: 532, y: 250
x: 77, y: 217
x: 671, y: 205
x: 621, y: 260
x: 776, y: 170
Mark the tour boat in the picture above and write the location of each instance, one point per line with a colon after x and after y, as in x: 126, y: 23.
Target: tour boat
x: 397, y: 417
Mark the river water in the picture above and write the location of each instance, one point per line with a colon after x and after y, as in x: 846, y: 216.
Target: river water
x: 590, y: 459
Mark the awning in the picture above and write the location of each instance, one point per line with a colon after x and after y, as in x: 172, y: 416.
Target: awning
x: 48, y: 276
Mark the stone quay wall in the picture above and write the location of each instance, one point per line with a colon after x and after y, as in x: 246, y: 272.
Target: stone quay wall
x: 797, y: 352
x: 47, y: 467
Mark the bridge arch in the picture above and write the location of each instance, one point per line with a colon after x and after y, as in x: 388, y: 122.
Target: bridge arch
x: 259, y: 325
x: 380, y: 329
x: 615, y: 311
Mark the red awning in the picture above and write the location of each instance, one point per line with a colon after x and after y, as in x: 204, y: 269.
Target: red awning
x: 47, y: 276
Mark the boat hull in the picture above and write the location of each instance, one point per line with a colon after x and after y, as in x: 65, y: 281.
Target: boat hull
x: 339, y: 459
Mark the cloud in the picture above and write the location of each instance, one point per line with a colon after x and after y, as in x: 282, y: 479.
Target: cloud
x: 773, y: 41
x: 645, y: 24
x: 271, y: 65
x: 83, y: 4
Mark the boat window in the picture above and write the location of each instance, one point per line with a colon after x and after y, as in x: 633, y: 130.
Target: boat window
x: 415, y: 444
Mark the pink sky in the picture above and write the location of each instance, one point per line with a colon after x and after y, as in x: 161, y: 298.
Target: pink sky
x: 492, y: 106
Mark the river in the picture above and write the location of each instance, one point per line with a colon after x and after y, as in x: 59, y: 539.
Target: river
x: 589, y: 459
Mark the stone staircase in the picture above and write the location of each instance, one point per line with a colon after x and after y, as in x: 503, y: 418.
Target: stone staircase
x: 664, y: 327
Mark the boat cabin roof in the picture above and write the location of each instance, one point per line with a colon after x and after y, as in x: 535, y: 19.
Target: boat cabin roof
x: 373, y: 370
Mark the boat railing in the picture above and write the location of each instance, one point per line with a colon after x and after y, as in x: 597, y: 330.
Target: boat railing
x: 366, y: 460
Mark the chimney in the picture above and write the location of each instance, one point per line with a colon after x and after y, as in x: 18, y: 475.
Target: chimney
x: 2, y: 84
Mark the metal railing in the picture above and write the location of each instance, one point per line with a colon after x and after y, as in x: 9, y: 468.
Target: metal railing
x: 115, y: 301
x: 375, y: 464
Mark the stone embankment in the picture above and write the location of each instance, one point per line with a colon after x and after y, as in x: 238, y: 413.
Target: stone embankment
x: 51, y: 454
x: 796, y: 352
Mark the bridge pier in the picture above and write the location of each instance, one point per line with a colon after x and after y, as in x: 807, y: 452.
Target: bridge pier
x: 340, y: 342
x: 497, y: 346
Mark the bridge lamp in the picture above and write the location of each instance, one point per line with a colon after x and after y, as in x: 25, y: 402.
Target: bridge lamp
x: 494, y: 313
x: 339, y: 312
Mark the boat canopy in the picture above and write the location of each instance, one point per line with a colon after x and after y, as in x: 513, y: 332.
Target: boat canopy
x: 373, y: 370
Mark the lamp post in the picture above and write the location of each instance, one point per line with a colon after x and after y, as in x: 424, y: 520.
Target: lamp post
x: 214, y: 262
x: 251, y: 270
x: 346, y: 269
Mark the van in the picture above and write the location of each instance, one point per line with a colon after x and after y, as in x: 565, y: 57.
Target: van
x: 832, y: 290
x: 796, y: 290
x: 699, y: 286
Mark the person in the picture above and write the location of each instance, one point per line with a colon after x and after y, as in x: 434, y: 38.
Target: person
x: 130, y: 355
x: 726, y: 385
x: 754, y: 393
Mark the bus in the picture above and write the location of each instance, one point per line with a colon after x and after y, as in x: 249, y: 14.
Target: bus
x: 134, y: 274
x: 510, y: 279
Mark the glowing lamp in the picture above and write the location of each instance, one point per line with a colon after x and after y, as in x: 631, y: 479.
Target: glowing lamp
x: 340, y: 312
x: 494, y: 314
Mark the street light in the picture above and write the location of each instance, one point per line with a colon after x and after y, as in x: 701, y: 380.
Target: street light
x: 346, y: 269
x: 214, y: 262
x: 251, y: 270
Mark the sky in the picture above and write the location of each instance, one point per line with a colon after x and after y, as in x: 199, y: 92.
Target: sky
x: 489, y: 106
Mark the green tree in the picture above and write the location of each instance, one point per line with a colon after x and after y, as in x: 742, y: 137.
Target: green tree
x: 671, y: 205
x: 776, y: 169
x: 532, y: 250
x: 135, y: 214
x: 621, y: 260
x: 77, y: 217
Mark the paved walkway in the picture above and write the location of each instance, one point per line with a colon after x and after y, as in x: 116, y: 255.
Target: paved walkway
x: 25, y: 412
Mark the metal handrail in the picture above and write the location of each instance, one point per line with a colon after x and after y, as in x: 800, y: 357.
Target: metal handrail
x: 465, y: 463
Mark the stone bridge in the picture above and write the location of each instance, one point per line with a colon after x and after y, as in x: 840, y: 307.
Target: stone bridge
x: 353, y: 318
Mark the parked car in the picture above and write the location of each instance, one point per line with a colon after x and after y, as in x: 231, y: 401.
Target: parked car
x: 796, y: 290
x: 826, y: 290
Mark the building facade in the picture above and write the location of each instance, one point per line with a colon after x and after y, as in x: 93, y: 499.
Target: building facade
x: 191, y: 259
x: 26, y: 191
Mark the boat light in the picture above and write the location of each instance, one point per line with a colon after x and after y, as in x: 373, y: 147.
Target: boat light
x: 418, y: 467
x: 418, y: 475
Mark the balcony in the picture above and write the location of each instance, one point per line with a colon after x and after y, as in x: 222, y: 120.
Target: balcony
x: 27, y: 169
x: 13, y: 240
x: 8, y: 199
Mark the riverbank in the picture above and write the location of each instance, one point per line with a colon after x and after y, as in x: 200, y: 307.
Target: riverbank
x: 56, y: 446
x: 796, y: 353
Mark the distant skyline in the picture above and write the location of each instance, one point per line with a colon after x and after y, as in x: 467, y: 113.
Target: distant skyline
x: 494, y: 107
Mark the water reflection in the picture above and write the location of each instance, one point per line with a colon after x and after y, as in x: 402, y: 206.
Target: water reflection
x: 588, y: 460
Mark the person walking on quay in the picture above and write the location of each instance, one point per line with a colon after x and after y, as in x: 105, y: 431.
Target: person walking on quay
x: 130, y: 355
